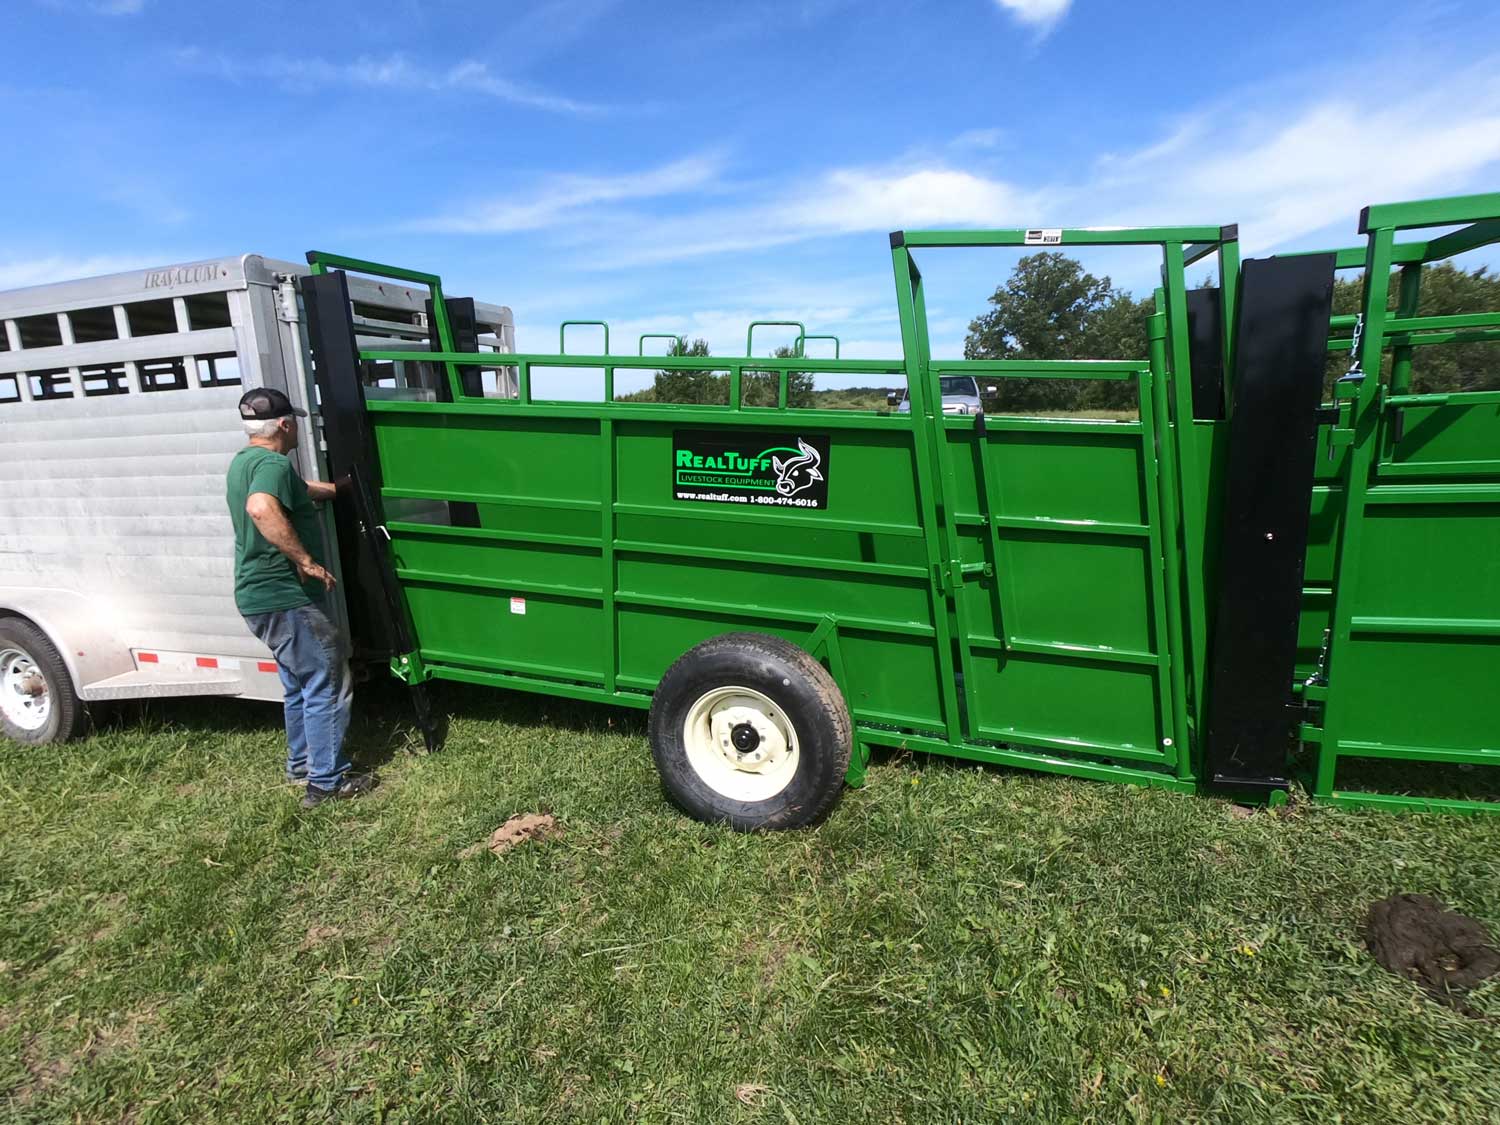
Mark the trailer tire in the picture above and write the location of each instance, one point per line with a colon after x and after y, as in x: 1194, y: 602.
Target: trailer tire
x: 54, y: 713
x: 750, y: 731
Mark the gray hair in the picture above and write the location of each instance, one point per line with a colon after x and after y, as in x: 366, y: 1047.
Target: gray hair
x: 260, y: 427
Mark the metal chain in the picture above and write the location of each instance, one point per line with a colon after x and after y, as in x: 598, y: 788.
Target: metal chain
x: 1355, y: 371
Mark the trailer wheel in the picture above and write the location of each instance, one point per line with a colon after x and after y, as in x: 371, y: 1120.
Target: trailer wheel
x: 750, y: 731
x: 38, y: 703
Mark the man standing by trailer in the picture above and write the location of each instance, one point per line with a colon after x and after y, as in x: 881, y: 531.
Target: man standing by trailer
x: 279, y: 587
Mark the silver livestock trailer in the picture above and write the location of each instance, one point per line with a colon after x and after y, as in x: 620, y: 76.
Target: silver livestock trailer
x: 117, y: 422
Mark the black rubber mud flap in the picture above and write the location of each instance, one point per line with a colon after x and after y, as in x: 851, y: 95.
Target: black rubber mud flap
x: 378, y: 617
x: 1281, y: 342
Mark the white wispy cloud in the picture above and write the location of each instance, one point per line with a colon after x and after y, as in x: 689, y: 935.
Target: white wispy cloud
x: 978, y: 139
x: 566, y: 197
x: 839, y: 201
x: 1282, y: 176
x: 1040, y: 14
x: 100, y: 7
x: 1286, y: 176
x: 18, y: 273
x: 389, y: 72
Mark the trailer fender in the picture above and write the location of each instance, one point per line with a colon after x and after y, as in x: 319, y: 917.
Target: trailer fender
x: 78, y: 627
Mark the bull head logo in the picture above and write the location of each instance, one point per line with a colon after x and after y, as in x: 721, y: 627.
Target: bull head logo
x: 797, y: 473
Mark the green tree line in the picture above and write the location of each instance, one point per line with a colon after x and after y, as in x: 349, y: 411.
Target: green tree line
x: 1052, y: 308
x: 711, y: 388
x: 1446, y: 290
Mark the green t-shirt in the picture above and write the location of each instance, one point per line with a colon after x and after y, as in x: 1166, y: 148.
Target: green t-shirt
x: 264, y: 578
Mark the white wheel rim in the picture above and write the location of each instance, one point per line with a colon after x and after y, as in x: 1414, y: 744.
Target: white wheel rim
x: 740, y: 743
x: 25, y: 700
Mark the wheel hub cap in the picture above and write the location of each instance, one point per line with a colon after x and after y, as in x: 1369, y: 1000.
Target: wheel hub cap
x: 741, y: 743
x: 747, y: 738
x: 24, y: 699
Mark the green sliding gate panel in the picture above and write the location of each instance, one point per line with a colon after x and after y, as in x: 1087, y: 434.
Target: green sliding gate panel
x: 1411, y: 510
x: 1063, y: 625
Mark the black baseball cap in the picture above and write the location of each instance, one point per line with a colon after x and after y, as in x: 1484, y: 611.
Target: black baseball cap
x: 265, y: 403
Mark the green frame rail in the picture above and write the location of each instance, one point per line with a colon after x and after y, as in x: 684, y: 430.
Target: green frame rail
x: 937, y: 588
x: 944, y: 529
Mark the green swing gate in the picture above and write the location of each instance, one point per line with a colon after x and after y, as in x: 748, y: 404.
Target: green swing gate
x: 1401, y: 624
x: 1059, y: 594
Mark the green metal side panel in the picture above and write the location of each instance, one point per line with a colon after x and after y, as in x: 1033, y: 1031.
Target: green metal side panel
x: 1021, y: 594
x: 539, y: 590
x: 1059, y: 614
x: 1422, y: 664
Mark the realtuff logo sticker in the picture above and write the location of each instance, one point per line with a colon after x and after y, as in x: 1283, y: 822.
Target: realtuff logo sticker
x: 750, y: 467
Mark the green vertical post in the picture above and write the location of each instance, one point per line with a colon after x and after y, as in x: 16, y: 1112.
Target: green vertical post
x: 1174, y: 644
x: 1229, y: 306
x: 917, y: 361
x: 445, y: 338
x: 1406, y: 305
x: 1188, y: 467
x: 607, y: 551
x: 1366, y: 420
x: 947, y: 491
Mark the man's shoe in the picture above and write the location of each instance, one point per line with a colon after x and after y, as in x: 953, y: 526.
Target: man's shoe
x: 353, y: 785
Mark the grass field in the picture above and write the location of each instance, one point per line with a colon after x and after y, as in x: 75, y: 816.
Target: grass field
x: 178, y: 942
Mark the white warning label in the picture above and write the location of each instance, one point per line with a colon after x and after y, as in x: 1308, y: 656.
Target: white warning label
x: 1044, y: 236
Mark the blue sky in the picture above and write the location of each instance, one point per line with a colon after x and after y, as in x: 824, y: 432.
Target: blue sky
x: 689, y: 167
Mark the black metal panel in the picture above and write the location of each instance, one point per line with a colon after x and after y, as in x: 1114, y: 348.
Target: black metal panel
x: 1280, y: 350
x: 1206, y: 352
x: 463, y: 322
x: 330, y: 332
x: 379, y: 625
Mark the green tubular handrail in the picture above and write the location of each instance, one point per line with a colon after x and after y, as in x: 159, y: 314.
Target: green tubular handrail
x: 801, y: 345
x: 562, y: 333
x: 321, y: 262
x: 640, y: 347
x: 796, y: 349
x: 754, y: 324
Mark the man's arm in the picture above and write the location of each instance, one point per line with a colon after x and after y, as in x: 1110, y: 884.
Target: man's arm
x: 320, y: 490
x: 271, y: 519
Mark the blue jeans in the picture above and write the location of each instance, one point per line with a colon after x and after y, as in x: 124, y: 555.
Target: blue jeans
x: 318, y: 688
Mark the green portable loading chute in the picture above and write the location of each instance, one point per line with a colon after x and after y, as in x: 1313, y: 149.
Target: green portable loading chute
x: 1167, y: 600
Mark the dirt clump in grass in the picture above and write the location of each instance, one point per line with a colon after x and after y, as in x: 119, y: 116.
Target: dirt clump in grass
x: 42, y: 1072
x: 316, y: 936
x: 751, y: 1093
x: 1417, y: 937
x: 515, y: 831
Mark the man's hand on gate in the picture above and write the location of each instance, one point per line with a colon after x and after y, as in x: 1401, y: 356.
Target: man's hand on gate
x: 309, y: 569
